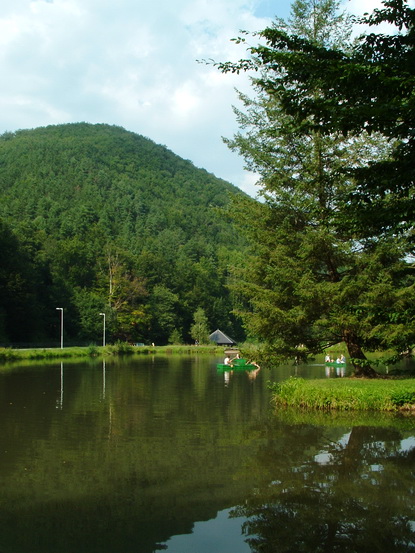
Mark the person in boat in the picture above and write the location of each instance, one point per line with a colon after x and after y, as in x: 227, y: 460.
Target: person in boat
x: 227, y: 361
x: 253, y: 374
x: 342, y: 359
x: 327, y: 358
x: 231, y: 361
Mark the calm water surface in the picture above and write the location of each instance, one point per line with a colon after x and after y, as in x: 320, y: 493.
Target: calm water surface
x: 168, y: 454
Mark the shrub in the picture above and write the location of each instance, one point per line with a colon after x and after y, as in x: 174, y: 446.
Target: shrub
x: 120, y: 348
x: 92, y: 350
x: 7, y: 354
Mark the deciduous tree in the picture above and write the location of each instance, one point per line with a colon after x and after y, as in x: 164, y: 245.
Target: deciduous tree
x: 199, y: 329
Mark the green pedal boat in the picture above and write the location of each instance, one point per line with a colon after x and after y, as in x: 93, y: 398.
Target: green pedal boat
x: 237, y: 365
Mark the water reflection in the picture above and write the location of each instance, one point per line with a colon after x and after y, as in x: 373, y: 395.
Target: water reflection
x: 251, y: 374
x: 59, y: 401
x: 337, y: 371
x: 140, y: 452
x: 219, y: 535
x: 352, y: 493
x: 103, y: 379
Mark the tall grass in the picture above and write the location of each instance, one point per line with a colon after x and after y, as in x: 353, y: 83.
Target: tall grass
x: 346, y: 394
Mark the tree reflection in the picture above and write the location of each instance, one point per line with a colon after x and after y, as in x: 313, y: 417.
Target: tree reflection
x: 352, y: 494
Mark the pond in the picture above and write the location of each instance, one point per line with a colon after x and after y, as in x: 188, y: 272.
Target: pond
x: 168, y: 454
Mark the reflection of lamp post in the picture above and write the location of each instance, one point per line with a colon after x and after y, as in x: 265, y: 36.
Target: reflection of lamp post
x: 61, y: 310
x: 61, y: 398
x: 103, y: 333
x: 103, y: 379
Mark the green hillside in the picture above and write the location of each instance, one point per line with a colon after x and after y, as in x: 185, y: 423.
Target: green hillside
x: 94, y: 218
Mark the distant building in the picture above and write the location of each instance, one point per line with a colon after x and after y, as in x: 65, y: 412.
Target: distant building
x: 221, y: 339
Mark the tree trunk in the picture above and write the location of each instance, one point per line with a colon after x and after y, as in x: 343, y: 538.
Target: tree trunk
x: 359, y: 360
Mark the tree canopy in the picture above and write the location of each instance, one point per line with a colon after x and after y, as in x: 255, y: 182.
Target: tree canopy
x: 366, y: 88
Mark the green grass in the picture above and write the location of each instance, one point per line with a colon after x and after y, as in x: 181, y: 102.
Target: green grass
x: 346, y: 394
x: 120, y: 348
x: 9, y: 354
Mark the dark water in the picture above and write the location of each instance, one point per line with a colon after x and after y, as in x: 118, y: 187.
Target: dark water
x: 168, y: 454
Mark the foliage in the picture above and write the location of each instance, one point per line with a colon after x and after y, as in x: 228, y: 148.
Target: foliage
x: 199, y: 329
x: 317, y: 276
x: 164, y: 306
x: 120, y: 348
x: 364, y: 89
x: 7, y: 354
x: 175, y: 337
x: 97, y: 219
x: 93, y: 350
x: 346, y: 394
x: 20, y: 305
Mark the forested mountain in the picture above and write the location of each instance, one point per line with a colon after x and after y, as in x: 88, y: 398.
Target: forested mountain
x: 96, y: 219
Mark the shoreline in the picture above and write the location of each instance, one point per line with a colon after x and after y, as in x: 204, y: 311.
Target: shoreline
x: 28, y: 354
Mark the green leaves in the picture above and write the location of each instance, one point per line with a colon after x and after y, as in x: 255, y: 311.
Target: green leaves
x: 330, y: 243
x: 199, y: 329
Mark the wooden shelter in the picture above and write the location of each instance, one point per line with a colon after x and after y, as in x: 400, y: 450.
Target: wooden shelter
x: 221, y: 339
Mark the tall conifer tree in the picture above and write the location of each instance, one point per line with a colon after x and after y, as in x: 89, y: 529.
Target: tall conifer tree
x: 313, y: 280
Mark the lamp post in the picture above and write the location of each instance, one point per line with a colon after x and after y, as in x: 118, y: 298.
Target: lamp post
x: 103, y: 333
x: 61, y: 310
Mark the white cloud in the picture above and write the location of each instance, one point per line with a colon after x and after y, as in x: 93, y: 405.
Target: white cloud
x: 131, y: 63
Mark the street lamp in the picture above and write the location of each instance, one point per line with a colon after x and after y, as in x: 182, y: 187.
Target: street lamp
x: 103, y: 333
x: 61, y: 310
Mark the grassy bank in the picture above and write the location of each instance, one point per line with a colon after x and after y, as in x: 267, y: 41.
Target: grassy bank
x: 9, y: 354
x: 347, y: 394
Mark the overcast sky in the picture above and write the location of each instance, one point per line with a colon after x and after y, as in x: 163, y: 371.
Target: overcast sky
x: 133, y: 63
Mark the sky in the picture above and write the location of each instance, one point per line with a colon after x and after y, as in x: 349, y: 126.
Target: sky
x: 133, y: 63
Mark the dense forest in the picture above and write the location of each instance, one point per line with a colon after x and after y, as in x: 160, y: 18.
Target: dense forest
x: 95, y: 219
